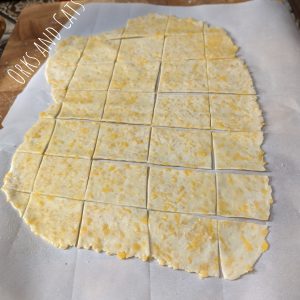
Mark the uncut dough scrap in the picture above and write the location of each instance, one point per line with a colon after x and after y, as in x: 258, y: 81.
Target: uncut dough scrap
x: 115, y: 95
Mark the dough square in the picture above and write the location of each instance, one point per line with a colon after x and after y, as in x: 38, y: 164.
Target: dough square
x: 115, y: 229
x: 218, y: 44
x: 73, y: 42
x: 117, y: 183
x: 151, y: 24
x: 229, y: 76
x: 51, y: 112
x: 247, y: 196
x: 92, y: 77
x: 182, y: 26
x: 239, y: 150
x: 57, y: 75
x: 66, y: 56
x: 186, y: 191
x: 241, y: 244
x: 73, y: 138
x: 183, y: 47
x: 182, y: 110
x: 83, y: 105
x: 235, y: 112
x: 186, y: 76
x: 130, y: 77
x: 22, y: 173
x: 18, y: 200
x: 141, y: 50
x: 100, y: 50
x: 63, y: 176
x: 180, y: 147
x: 54, y: 219
x: 129, y: 107
x: 37, y: 137
x: 58, y: 95
x: 185, y: 242
x: 123, y: 142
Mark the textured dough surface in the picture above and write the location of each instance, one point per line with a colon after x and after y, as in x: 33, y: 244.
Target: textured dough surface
x: 185, y: 242
x: 129, y: 107
x: 180, y: 147
x: 229, y: 76
x: 182, y: 26
x: 247, y: 196
x: 83, y: 105
x: 186, y: 76
x: 186, y: 191
x: 238, y: 150
x: 62, y: 176
x: 123, y: 142
x: 182, y: 110
x: 18, y: 200
x: 241, y: 244
x: 37, y: 137
x: 235, y: 112
x: 54, y: 219
x: 123, y: 184
x: 22, y: 173
x: 73, y: 138
x: 114, y: 229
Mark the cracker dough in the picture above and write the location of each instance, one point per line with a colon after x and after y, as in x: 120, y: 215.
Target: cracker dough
x: 116, y: 230
x: 129, y: 107
x: 238, y: 150
x: 18, y: 200
x: 180, y: 147
x: 58, y: 95
x: 63, y: 177
x: 37, y: 137
x: 22, y: 172
x: 186, y: 76
x: 183, y: 47
x: 123, y: 142
x: 229, y: 76
x: 185, y: 242
x: 51, y: 112
x: 182, y: 26
x: 235, y: 112
x: 123, y: 184
x: 54, y: 219
x: 241, y: 244
x: 186, y: 191
x: 83, y: 105
x: 248, y: 196
x: 73, y: 138
x: 182, y: 110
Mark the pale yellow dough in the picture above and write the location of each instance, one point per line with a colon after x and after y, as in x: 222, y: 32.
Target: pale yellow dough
x: 63, y: 176
x: 37, y: 137
x: 183, y: 47
x: 54, y: 219
x: 235, y: 112
x: 182, y: 26
x: 238, y: 150
x: 182, y: 110
x: 248, y: 196
x: 123, y: 142
x: 116, y: 230
x: 185, y: 242
x: 135, y: 77
x: 129, y: 107
x: 241, y: 244
x: 229, y: 76
x: 123, y: 184
x: 181, y: 191
x: 51, y: 112
x: 185, y: 76
x: 58, y: 95
x: 73, y: 138
x: 22, y: 172
x: 180, y: 147
x: 83, y: 105
x: 18, y: 200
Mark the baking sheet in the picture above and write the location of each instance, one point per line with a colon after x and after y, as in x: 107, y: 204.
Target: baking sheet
x: 270, y: 44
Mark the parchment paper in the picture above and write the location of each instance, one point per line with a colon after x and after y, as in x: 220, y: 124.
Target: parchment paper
x: 270, y: 43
